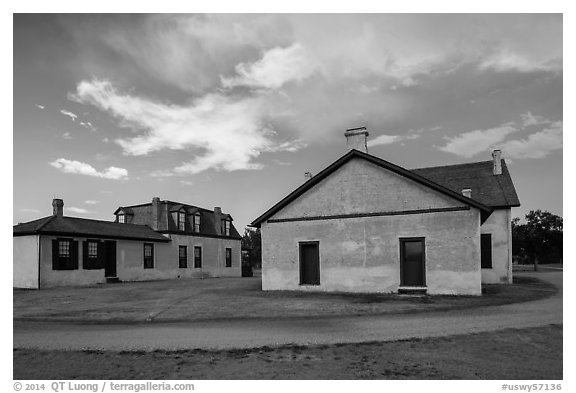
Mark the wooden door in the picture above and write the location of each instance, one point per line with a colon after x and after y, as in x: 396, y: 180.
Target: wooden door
x: 309, y: 263
x: 412, y: 262
x: 110, y: 257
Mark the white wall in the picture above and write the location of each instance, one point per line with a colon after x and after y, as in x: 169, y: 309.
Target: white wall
x: 25, y: 261
x: 362, y: 254
x: 499, y: 225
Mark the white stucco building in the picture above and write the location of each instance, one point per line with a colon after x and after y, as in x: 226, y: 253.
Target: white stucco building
x: 153, y: 241
x: 366, y: 225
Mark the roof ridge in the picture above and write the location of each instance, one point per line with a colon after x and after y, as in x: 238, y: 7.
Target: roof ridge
x: 451, y: 165
x: 104, y: 221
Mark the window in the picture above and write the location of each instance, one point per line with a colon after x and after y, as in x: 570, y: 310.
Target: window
x: 181, y: 221
x: 121, y: 218
x: 228, y: 257
x: 64, y: 248
x: 486, y: 251
x: 182, y: 257
x: 64, y: 254
x: 197, y: 257
x: 226, y: 227
x: 148, y: 256
x: 91, y: 255
x: 197, y: 222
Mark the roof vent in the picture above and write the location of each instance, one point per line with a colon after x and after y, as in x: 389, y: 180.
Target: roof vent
x: 308, y: 176
x: 467, y: 192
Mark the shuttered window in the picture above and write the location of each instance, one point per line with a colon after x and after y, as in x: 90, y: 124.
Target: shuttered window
x: 93, y: 255
x: 64, y: 254
x: 486, y: 251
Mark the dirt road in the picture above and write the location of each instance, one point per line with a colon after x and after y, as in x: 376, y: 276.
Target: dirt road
x: 248, y: 333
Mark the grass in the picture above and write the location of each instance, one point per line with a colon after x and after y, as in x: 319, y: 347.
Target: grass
x: 534, y: 353
x: 232, y: 298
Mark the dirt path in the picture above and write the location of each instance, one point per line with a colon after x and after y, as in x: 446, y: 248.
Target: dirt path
x: 224, y: 334
x: 533, y: 353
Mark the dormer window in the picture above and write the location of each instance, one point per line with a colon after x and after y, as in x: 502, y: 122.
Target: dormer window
x: 122, y: 218
x: 197, y: 223
x: 226, y: 227
x: 182, y: 221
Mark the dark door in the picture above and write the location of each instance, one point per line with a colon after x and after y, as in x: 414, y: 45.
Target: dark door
x: 110, y: 258
x: 309, y: 264
x: 412, y: 267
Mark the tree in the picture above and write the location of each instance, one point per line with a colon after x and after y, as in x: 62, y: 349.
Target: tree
x: 252, y: 242
x: 540, y: 240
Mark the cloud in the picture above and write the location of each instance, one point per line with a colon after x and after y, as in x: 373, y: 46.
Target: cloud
x: 78, y: 210
x: 91, y: 202
x: 39, y: 106
x: 528, y: 119
x: 81, y: 168
x: 276, y: 67
x: 471, y: 143
x: 29, y: 210
x: 389, y: 139
x: 225, y: 132
x: 66, y: 135
x: 187, y: 182
x: 537, y: 145
x: 69, y: 114
x: 87, y: 125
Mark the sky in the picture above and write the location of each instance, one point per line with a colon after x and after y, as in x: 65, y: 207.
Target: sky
x: 231, y: 110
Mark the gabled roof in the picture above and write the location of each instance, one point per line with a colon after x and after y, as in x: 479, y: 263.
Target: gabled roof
x: 74, y: 226
x: 125, y: 210
x: 485, y: 210
x: 496, y: 191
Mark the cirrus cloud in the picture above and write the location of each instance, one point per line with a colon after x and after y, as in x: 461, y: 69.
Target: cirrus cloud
x: 82, y: 168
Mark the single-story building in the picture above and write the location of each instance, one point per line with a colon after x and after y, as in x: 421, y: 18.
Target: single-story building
x: 62, y: 251
x: 364, y: 224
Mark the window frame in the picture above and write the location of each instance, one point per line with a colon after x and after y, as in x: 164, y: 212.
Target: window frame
x: 228, y: 257
x: 181, y: 221
x: 148, y: 260
x: 122, y: 218
x: 196, y: 223
x: 226, y: 227
x: 182, y: 260
x: 198, y: 258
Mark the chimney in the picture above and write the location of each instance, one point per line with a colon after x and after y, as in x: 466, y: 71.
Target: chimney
x: 356, y: 138
x: 467, y: 192
x: 57, y: 207
x: 155, y: 213
x: 307, y: 176
x: 218, y: 220
x: 497, y: 162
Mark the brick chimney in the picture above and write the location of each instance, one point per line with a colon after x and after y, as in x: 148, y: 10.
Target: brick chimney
x: 57, y: 207
x: 467, y: 192
x: 356, y: 138
x: 307, y: 176
x: 218, y: 220
x: 155, y: 213
x: 497, y: 162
